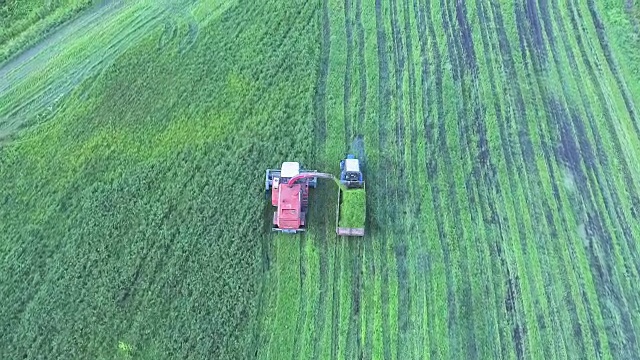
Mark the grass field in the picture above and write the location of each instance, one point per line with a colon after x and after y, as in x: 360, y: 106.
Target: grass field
x: 501, y: 144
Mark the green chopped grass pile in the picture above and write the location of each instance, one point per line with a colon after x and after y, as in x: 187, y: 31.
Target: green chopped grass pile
x: 352, y: 208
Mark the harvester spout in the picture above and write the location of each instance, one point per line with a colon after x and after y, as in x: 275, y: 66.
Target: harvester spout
x: 308, y: 175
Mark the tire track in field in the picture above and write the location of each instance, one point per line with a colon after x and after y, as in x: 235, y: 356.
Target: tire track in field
x: 302, y: 300
x: 491, y: 185
x: 462, y: 55
x: 551, y: 107
x: 539, y: 65
x: 602, y: 277
x: 348, y: 73
x: 574, y: 262
x: 411, y: 334
x: 399, y: 207
x: 624, y: 169
x: 335, y: 306
x: 513, y: 302
x: 432, y: 166
x: 384, y: 97
x: 362, y: 70
x: 613, y: 67
x: 353, y: 346
x: 593, y: 163
x: 576, y: 149
x: 482, y: 170
x: 528, y: 172
x: 423, y: 305
x: 321, y: 137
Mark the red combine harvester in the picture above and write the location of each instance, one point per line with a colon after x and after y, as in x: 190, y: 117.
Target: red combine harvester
x: 290, y: 194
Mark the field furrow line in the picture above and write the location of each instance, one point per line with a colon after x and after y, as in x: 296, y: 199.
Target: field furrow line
x: 439, y: 316
x: 400, y: 241
x: 362, y: 71
x: 624, y: 169
x: 353, y: 23
x: 546, y: 141
x: 302, y: 300
x: 385, y: 163
x: 613, y: 66
x: 593, y: 164
x: 353, y: 345
x: 448, y: 203
x: 514, y: 107
x: 335, y: 302
x: 320, y: 131
x: 489, y: 169
x: 415, y: 304
x: 546, y: 217
x: 572, y: 124
x: 525, y: 141
x: 462, y: 55
x: 424, y: 259
x: 348, y: 27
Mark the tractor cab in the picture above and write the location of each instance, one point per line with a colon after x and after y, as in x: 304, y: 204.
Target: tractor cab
x: 350, y: 174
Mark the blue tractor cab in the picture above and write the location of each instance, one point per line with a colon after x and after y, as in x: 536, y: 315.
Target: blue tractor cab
x: 350, y: 174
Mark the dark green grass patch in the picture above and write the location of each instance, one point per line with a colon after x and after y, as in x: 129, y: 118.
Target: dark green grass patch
x: 352, y: 208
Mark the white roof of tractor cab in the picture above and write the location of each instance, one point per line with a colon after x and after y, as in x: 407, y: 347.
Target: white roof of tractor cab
x: 289, y: 169
x: 352, y: 165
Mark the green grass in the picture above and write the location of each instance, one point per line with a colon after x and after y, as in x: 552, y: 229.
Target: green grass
x: 352, y: 208
x: 25, y: 22
x: 501, y: 151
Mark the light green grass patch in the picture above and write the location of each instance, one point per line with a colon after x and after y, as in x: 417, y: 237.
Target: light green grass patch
x: 352, y: 208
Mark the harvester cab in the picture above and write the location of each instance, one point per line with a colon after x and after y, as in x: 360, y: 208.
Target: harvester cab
x: 350, y: 174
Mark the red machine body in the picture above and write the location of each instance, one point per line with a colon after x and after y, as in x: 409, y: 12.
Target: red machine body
x: 291, y: 202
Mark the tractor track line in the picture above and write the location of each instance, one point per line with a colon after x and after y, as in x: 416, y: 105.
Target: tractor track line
x: 635, y: 199
x: 580, y: 137
x: 538, y: 65
x: 613, y: 67
x: 335, y: 301
x: 411, y: 334
x: 517, y: 304
x: 487, y: 171
x: 400, y: 240
x: 534, y: 49
x: 384, y: 98
x: 628, y: 178
x: 602, y: 162
x: 423, y: 303
x: 462, y: 58
x: 353, y: 346
x: 321, y: 137
x: 550, y: 123
x: 302, y: 300
x: 348, y: 127
x: 362, y: 70
x: 525, y: 169
x: 432, y: 170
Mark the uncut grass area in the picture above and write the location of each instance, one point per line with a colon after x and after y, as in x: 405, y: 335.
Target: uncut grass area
x: 130, y: 219
x: 500, y: 142
x: 352, y: 208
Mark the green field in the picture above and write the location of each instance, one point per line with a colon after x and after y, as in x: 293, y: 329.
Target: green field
x: 501, y: 143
